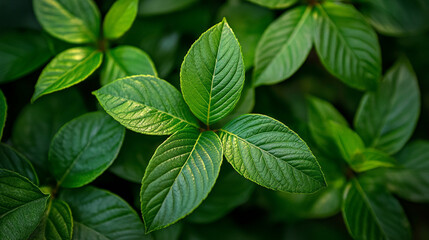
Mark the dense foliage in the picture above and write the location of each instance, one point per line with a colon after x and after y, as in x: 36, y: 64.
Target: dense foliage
x: 172, y: 119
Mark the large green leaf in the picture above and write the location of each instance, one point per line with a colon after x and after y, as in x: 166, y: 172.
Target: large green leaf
x: 19, y: 56
x: 347, y: 45
x: 392, y: 17
x: 3, y: 112
x: 275, y: 4
x: 119, y: 18
x: 102, y: 216
x: 270, y: 154
x: 37, y: 124
x: 146, y: 104
x: 249, y: 23
x: 372, y: 213
x: 230, y: 191
x: 371, y: 158
x: 67, y: 69
x: 12, y: 160
x: 154, y: 7
x: 320, y: 113
x: 386, y: 118
x: 56, y: 224
x: 84, y: 148
x: 212, y: 74
x: 134, y: 156
x: 124, y: 61
x: 411, y: 180
x: 76, y: 21
x: 22, y: 205
x: 284, y: 46
x: 179, y: 177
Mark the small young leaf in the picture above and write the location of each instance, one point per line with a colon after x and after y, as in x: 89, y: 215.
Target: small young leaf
x: 37, y: 123
x: 275, y: 4
x: 372, y: 213
x: 134, y: 156
x: 147, y: 105
x: 411, y: 180
x: 347, y: 141
x: 212, y: 74
x: 19, y: 56
x: 56, y: 224
x: 76, y: 21
x: 67, y: 69
x: 22, y: 206
x: 84, y: 148
x: 179, y: 177
x: 16, y: 162
x: 230, y: 191
x: 154, y: 7
x: 284, y: 46
x: 270, y: 154
x: 320, y: 113
x: 347, y: 45
x: 3, y: 112
x: 102, y: 216
x: 386, y: 118
x: 371, y: 158
x: 124, y: 61
x: 119, y: 18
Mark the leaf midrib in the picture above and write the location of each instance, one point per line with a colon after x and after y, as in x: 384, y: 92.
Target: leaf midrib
x: 262, y: 150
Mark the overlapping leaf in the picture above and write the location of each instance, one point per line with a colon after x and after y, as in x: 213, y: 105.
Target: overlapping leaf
x: 124, y: 61
x: 179, y: 177
x: 146, y: 104
x: 270, y: 154
x: 120, y: 18
x: 386, y: 118
x: 67, y: 69
x: 371, y: 158
x: 103, y: 216
x: 12, y: 160
x: 212, y: 74
x: 284, y: 46
x: 76, y: 21
x: 347, y: 45
x: 84, y: 148
x: 22, y: 206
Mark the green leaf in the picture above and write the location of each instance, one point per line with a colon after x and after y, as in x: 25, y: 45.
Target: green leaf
x: 147, y: 105
x: 57, y: 222
x: 320, y: 113
x: 371, y: 158
x: 249, y: 23
x: 20, y: 56
x: 411, y: 180
x: 347, y: 45
x: 372, y: 213
x: 84, y: 148
x: 268, y: 153
x: 124, y: 61
x: 347, y: 141
x: 156, y: 7
x: 134, y: 156
x: 76, y: 21
x: 392, y: 17
x: 284, y: 46
x: 102, y: 216
x: 12, y: 160
x: 230, y: 191
x: 212, y: 74
x: 67, y: 69
x: 275, y: 4
x: 386, y: 118
x: 37, y: 123
x: 119, y: 18
x: 3, y: 112
x: 179, y: 177
x: 22, y: 206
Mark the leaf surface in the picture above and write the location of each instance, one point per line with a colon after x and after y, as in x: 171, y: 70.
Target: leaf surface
x: 12, y: 160
x: 119, y: 18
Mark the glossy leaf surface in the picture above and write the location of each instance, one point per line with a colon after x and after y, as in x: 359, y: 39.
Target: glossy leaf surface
x: 119, y: 18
